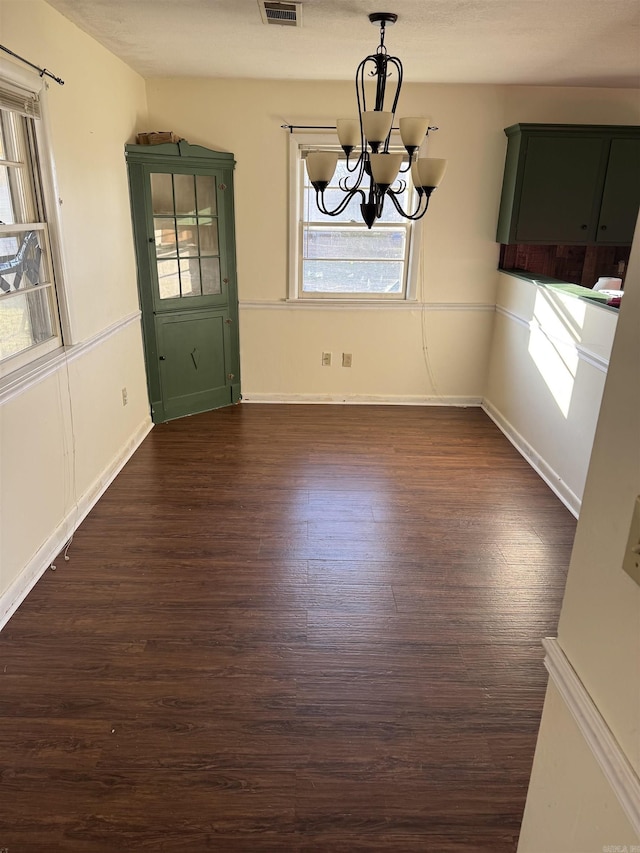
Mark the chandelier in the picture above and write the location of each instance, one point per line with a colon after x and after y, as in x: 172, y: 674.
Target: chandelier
x: 371, y: 132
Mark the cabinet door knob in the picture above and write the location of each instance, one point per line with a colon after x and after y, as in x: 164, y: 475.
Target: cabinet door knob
x: 584, y: 227
x: 603, y: 227
x: 161, y: 358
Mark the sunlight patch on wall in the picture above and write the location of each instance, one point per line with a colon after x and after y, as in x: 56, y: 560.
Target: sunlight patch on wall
x: 554, y: 350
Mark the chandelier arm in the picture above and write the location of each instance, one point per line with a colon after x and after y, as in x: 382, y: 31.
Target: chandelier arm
x: 418, y: 212
x: 360, y: 167
x: 360, y: 90
x: 341, y: 206
x: 400, y: 190
x: 381, y: 82
x: 393, y: 60
x: 356, y: 166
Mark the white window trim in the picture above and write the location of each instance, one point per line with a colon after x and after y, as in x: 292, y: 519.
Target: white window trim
x: 298, y: 141
x: 17, y: 75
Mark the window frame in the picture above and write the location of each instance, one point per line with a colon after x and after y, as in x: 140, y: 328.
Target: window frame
x: 298, y: 144
x: 42, y: 174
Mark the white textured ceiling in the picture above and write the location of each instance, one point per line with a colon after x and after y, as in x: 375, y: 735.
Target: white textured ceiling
x: 546, y: 42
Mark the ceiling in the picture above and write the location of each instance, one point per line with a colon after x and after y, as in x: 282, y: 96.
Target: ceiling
x: 544, y: 42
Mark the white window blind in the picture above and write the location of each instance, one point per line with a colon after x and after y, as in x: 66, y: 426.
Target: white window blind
x: 18, y: 100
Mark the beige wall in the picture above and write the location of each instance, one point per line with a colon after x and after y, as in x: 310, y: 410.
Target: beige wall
x: 281, y: 344
x: 61, y: 436
x: 599, y: 629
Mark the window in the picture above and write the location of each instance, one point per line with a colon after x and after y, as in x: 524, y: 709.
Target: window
x: 29, y: 324
x: 339, y: 257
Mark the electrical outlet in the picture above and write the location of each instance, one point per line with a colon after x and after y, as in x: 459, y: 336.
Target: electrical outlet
x: 326, y: 359
x: 621, y: 267
x: 631, y: 561
x: 125, y: 397
x: 346, y: 359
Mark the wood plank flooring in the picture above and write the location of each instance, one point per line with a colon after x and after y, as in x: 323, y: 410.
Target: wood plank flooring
x: 289, y: 628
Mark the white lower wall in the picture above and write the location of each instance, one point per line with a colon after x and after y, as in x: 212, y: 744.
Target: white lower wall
x: 62, y: 440
x: 403, y: 354
x: 571, y: 807
x: 547, y: 369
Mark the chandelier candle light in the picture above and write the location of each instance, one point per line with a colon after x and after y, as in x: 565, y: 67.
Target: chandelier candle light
x: 372, y: 132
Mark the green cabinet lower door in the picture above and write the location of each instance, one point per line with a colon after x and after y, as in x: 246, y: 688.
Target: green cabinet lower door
x: 193, y: 369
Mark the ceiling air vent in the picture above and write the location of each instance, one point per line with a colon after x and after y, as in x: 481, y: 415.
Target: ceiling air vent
x: 282, y: 14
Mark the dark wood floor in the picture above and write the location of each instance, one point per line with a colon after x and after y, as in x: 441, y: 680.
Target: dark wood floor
x: 289, y: 628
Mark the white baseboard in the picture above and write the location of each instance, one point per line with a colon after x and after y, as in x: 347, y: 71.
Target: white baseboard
x: 16, y: 593
x: 539, y: 465
x: 362, y: 399
x: 606, y: 750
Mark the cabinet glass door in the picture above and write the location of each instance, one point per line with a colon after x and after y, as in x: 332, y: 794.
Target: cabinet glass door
x: 186, y: 239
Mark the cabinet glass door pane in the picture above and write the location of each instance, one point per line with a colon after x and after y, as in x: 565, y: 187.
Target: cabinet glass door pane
x: 188, y: 238
x: 185, y: 193
x: 168, y: 279
x: 186, y: 235
x: 208, y: 234
x: 164, y: 230
x: 190, y: 277
x: 161, y: 194
x: 210, y: 275
x: 206, y: 193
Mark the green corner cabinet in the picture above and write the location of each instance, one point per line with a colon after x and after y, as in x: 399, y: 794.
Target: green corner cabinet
x: 570, y: 184
x: 183, y: 224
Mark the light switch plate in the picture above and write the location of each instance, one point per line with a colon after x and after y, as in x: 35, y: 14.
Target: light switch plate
x: 631, y: 562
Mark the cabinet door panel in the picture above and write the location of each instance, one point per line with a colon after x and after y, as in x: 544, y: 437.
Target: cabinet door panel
x: 192, y: 348
x: 562, y: 183
x: 621, y: 197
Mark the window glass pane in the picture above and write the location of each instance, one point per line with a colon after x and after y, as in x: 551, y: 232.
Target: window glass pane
x: 6, y: 207
x: 340, y: 255
x: 333, y: 195
x: 161, y: 193
x: 168, y: 279
x: 208, y: 229
x: 352, y: 276
x: 185, y: 192
x: 28, y: 314
x: 23, y: 262
x: 206, y: 192
x: 25, y: 320
x: 190, y: 277
x: 332, y: 198
x: 210, y: 275
x: 17, y: 194
x: 165, y: 236
x: 354, y: 244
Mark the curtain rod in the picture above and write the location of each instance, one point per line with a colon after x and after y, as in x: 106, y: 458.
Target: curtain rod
x: 292, y: 127
x: 41, y: 71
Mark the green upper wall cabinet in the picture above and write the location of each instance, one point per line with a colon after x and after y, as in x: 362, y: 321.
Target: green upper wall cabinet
x: 570, y: 184
x: 183, y: 222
